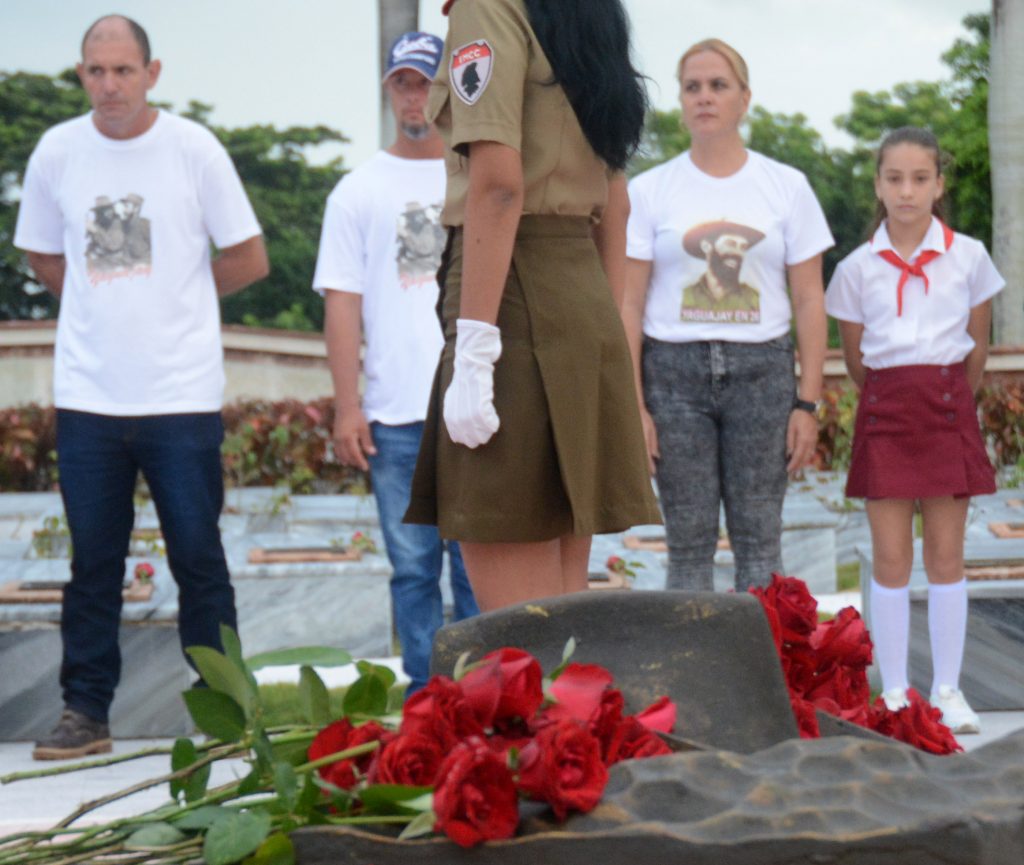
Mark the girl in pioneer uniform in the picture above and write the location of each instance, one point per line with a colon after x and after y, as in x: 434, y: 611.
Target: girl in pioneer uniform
x: 533, y: 441
x: 914, y: 309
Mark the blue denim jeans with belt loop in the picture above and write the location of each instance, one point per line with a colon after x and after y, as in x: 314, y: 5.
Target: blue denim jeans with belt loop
x: 721, y: 410
x: 415, y: 552
x: 99, y: 458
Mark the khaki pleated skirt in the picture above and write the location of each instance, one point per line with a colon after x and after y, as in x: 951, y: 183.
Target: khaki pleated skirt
x: 569, y: 457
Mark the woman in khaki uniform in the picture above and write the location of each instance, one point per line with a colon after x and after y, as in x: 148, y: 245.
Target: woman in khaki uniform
x: 524, y: 458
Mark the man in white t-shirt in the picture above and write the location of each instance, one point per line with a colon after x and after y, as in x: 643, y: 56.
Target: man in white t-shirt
x: 379, y: 251
x: 117, y: 214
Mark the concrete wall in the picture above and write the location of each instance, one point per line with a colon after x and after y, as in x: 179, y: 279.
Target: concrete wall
x: 261, y: 363
x: 279, y: 364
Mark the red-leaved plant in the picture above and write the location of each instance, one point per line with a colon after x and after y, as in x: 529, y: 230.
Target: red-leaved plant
x: 499, y: 733
x: 825, y: 665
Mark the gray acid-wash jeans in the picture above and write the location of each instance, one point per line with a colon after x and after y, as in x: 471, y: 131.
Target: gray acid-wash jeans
x: 721, y: 410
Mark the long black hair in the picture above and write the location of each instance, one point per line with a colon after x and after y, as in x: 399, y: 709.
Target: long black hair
x: 587, y: 44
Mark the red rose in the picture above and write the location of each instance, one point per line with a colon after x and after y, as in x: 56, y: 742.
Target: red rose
x: 631, y: 740
x: 796, y: 607
x: 409, y: 758
x: 844, y: 640
x: 918, y: 724
x: 476, y: 798
x: 606, y: 720
x: 562, y: 766
x: 577, y: 691
x: 659, y: 716
x: 340, y: 736
x: 506, y: 685
x: 440, y: 711
x: 806, y: 717
x: 800, y: 666
x: 847, y: 688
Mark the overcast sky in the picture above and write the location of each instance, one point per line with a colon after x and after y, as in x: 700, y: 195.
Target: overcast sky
x: 306, y: 62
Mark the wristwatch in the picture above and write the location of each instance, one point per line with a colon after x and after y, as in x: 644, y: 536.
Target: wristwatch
x: 807, y: 405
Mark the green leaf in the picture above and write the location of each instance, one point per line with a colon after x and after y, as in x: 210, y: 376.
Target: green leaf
x: 234, y: 836
x: 308, y: 797
x: 381, y: 671
x: 286, y: 785
x: 316, y: 704
x: 396, y: 798
x: 250, y: 783
x: 221, y: 674
x: 368, y: 695
x: 313, y: 656
x: 183, y: 755
x: 264, y: 752
x: 154, y: 835
x: 276, y: 850
x: 293, y: 753
x: 233, y: 650
x: 201, y: 818
x: 567, y: 653
x: 422, y: 824
x: 216, y: 714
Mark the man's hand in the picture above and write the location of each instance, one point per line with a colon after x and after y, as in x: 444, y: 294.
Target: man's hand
x: 801, y: 439
x: 469, y: 411
x: 352, y: 438
x: 650, y: 439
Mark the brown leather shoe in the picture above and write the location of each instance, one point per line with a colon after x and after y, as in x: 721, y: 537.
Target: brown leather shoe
x: 75, y: 735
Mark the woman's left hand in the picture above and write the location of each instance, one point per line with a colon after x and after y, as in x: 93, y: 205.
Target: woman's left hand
x: 801, y: 439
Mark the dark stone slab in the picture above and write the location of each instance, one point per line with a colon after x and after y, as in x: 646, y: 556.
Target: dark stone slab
x: 711, y: 653
x: 841, y: 800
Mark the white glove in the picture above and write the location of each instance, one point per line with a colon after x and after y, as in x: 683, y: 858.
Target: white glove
x: 469, y: 411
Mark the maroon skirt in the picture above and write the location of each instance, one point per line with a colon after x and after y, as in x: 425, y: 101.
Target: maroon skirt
x: 916, y: 436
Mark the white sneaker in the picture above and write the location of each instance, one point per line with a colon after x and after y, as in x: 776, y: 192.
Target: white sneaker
x: 895, y: 699
x: 956, y: 713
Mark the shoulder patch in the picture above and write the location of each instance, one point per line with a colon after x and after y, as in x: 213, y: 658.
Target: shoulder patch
x: 471, y: 69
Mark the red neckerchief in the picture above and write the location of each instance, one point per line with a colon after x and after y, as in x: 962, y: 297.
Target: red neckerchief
x: 448, y: 5
x: 916, y: 267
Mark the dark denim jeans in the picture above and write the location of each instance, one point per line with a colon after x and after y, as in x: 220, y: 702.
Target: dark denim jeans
x: 99, y: 457
x: 721, y: 410
x: 415, y: 552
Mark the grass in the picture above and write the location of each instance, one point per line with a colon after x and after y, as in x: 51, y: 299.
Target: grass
x: 281, y: 703
x: 848, y: 577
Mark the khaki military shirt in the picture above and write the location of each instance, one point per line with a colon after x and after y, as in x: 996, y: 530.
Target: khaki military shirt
x: 495, y: 84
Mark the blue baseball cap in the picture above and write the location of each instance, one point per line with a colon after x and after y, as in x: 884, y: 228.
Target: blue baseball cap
x: 419, y: 51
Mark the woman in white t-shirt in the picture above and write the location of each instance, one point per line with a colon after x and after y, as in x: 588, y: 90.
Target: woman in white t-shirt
x: 719, y: 238
x: 914, y: 310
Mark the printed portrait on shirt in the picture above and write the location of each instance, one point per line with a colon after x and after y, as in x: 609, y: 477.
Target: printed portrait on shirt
x: 117, y: 239
x: 720, y: 295
x: 420, y: 243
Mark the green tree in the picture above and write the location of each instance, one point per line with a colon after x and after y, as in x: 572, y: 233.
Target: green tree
x: 29, y: 105
x: 955, y: 110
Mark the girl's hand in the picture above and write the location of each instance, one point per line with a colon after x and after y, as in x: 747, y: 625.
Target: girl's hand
x: 801, y: 439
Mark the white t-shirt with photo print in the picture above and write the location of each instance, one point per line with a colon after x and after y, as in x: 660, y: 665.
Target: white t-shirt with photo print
x: 719, y: 247
x: 139, y: 326
x: 382, y: 238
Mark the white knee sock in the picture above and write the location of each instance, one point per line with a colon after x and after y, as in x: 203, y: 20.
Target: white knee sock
x: 890, y: 632
x: 947, y: 630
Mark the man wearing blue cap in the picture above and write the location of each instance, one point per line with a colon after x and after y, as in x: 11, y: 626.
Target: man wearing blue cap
x: 380, y: 247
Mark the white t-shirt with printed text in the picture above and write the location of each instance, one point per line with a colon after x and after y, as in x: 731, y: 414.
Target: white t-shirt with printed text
x: 719, y: 247
x: 382, y: 238
x: 138, y: 331
x: 932, y: 328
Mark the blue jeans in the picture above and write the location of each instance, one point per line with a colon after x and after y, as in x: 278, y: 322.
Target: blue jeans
x: 99, y: 457
x: 721, y: 410
x: 415, y: 552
